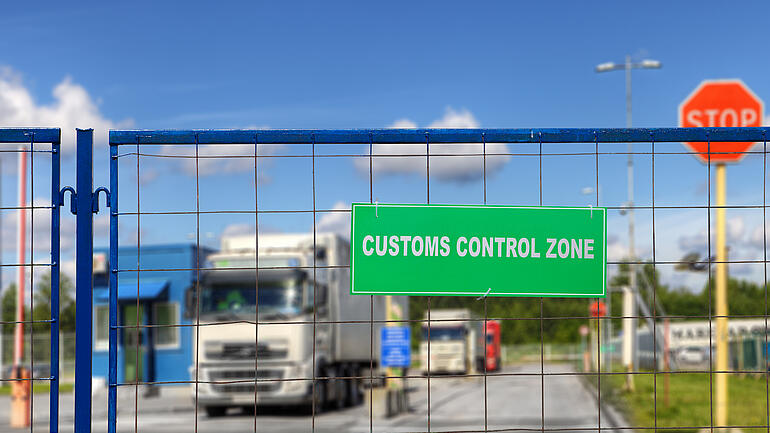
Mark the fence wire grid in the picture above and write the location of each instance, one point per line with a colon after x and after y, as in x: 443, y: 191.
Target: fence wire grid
x: 246, y: 156
x: 35, y: 154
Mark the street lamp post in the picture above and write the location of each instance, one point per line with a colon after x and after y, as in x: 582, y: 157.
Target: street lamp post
x: 629, y: 303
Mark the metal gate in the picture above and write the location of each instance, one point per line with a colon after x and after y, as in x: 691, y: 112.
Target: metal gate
x: 247, y: 150
x: 132, y: 291
x: 38, y: 150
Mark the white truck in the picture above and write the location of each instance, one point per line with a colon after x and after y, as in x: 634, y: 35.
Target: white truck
x: 456, y: 339
x: 287, y: 345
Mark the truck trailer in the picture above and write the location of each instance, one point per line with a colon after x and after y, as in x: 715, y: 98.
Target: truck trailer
x: 455, y: 340
x: 300, y: 297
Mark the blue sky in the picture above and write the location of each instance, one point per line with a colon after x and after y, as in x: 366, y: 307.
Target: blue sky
x: 356, y: 65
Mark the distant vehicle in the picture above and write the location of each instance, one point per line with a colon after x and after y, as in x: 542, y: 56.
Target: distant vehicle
x: 294, y: 347
x: 691, y: 355
x: 494, y: 355
x: 456, y: 342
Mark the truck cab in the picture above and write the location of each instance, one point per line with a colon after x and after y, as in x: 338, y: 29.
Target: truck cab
x: 230, y: 349
x: 452, y: 342
x: 310, y: 326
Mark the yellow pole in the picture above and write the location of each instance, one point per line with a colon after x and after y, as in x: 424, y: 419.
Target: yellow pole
x: 721, y: 301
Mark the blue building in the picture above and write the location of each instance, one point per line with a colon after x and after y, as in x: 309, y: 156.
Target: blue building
x: 165, y: 291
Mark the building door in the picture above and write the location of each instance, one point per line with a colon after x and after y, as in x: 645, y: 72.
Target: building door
x: 133, y: 343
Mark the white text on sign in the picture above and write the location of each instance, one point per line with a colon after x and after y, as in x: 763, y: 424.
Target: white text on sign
x: 473, y: 246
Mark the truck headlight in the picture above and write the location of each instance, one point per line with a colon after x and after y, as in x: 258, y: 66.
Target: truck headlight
x: 296, y: 371
x: 214, y: 349
x: 301, y: 370
x: 294, y: 385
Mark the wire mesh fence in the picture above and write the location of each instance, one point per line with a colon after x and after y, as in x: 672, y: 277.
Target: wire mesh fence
x: 40, y: 347
x: 30, y: 260
x: 228, y: 281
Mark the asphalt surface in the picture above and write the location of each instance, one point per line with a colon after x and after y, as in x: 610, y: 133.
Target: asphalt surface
x: 513, y: 402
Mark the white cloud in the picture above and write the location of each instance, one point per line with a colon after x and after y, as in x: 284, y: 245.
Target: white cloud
x: 697, y: 242
x: 244, y: 229
x: 148, y: 176
x: 238, y: 229
x: 735, y: 228
x: 404, y: 124
x: 72, y: 107
x: 455, y: 119
x: 448, y: 168
x: 335, y: 222
x: 41, y: 235
x: 757, y: 238
x: 218, y: 159
x: 616, y: 250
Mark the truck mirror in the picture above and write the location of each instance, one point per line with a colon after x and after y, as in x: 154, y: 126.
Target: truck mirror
x: 189, y: 302
x: 320, y: 295
x: 320, y: 254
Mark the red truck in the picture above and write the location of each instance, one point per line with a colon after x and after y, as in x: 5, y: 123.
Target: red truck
x: 494, y: 357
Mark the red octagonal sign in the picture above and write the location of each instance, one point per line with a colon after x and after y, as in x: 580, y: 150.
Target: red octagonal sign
x: 717, y: 103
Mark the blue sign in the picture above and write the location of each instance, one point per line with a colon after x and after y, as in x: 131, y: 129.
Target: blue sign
x: 395, y: 346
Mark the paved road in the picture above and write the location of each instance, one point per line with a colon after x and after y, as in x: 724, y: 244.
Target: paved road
x: 456, y: 404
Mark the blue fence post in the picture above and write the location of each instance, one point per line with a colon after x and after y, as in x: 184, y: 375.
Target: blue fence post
x: 53, y: 394
x: 113, y: 269
x: 84, y: 279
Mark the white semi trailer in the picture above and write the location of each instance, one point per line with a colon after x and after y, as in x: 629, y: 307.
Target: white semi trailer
x: 287, y: 344
x: 456, y: 342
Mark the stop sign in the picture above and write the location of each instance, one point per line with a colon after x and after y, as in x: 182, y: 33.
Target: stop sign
x: 721, y: 103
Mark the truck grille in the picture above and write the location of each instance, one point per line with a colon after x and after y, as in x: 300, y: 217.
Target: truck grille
x: 243, y: 375
x: 247, y: 351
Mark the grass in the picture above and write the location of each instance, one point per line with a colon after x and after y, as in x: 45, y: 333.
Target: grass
x: 689, y: 404
x: 39, y: 388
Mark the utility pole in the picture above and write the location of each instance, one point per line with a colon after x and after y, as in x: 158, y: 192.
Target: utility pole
x: 721, y: 300
x: 631, y: 362
x: 20, y: 406
x: 629, y: 302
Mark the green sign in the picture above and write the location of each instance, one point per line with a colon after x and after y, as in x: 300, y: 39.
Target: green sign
x: 478, y: 250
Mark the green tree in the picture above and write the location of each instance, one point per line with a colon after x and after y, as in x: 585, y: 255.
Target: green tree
x: 519, y: 316
x: 42, y: 303
x: 562, y: 317
x: 9, y: 308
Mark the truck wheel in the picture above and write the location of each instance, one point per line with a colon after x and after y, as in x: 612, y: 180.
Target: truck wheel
x: 319, y: 397
x: 215, y: 411
x: 340, y: 386
x: 354, y: 391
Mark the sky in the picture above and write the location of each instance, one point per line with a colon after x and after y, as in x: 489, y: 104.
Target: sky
x: 159, y: 65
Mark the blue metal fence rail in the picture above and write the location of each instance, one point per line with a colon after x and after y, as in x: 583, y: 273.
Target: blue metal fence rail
x: 32, y: 136
x: 85, y: 204
x: 113, y: 296
x: 55, y: 285
x: 437, y: 136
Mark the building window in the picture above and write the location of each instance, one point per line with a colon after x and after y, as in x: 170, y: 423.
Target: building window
x: 166, y: 313
x: 101, y: 327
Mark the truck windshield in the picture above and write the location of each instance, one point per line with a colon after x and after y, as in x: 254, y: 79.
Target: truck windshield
x: 283, y: 298
x: 444, y: 333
